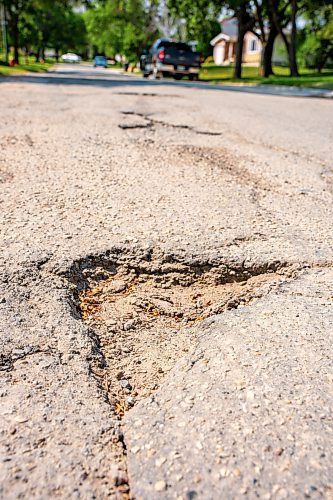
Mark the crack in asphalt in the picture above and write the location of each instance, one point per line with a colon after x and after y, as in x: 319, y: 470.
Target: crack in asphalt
x: 7, y: 361
x: 132, y: 126
x: 148, y: 94
x: 150, y: 122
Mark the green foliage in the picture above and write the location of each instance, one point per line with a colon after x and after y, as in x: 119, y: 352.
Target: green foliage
x: 201, y: 20
x: 29, y: 35
x: 212, y: 28
x: 35, y: 25
x: 121, y: 27
x: 317, y: 46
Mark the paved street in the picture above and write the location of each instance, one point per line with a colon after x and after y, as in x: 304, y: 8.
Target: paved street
x: 166, y: 289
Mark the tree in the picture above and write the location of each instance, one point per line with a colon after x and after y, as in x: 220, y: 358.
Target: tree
x: 200, y: 21
x: 14, y: 9
x: 317, y: 45
x: 266, y: 31
x: 29, y: 35
x: 59, y: 28
x: 246, y: 21
x: 293, y: 39
x: 43, y: 23
x: 121, y: 26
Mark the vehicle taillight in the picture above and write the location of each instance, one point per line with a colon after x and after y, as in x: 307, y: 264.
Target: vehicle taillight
x: 161, y: 55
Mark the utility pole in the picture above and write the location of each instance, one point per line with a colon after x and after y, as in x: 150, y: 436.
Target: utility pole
x: 4, y: 32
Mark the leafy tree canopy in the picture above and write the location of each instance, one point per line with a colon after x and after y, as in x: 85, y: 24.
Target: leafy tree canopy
x: 121, y: 26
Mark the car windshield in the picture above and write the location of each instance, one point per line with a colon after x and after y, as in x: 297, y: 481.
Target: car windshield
x: 100, y: 58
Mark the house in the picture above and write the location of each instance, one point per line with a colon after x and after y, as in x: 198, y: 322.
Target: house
x: 224, y: 46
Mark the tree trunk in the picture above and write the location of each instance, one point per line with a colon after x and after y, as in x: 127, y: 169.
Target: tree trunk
x: 291, y: 51
x: 37, y: 55
x: 15, y: 34
x: 292, y: 45
x: 241, y: 18
x: 268, y: 52
x: 239, y: 55
x: 14, y: 9
x: 322, y: 62
x: 4, y: 32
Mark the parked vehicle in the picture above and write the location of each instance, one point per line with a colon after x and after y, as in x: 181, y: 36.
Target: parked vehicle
x: 71, y: 58
x: 168, y: 58
x: 100, y: 61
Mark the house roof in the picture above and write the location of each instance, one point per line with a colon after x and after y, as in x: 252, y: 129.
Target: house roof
x: 218, y: 38
x: 229, y: 31
x: 229, y: 26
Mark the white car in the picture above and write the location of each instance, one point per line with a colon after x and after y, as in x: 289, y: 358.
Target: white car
x: 71, y: 58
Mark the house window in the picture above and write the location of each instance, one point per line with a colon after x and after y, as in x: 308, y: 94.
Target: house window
x: 253, y: 45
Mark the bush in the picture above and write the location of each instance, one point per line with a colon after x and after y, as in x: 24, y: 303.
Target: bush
x: 209, y: 60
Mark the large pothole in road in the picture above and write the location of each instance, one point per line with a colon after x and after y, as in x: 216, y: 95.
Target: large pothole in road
x: 144, y: 310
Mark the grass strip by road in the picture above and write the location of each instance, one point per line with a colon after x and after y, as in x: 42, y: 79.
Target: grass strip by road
x: 29, y: 66
x: 308, y: 78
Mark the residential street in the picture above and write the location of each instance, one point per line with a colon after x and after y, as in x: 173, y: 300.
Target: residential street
x: 166, y: 289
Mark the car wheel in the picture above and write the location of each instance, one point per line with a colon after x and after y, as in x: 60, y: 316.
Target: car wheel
x: 194, y: 78
x: 177, y: 77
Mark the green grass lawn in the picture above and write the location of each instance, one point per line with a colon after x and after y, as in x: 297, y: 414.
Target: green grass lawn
x: 26, y: 65
x: 308, y: 78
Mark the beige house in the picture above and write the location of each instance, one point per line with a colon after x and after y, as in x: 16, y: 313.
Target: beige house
x: 225, y: 48
x: 225, y: 45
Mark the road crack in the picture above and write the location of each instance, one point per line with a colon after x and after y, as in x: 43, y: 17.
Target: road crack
x: 152, y: 122
x: 8, y: 360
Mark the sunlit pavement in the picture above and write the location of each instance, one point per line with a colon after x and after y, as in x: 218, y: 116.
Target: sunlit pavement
x: 202, y: 368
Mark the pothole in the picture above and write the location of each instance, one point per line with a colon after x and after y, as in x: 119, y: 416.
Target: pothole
x: 144, y: 311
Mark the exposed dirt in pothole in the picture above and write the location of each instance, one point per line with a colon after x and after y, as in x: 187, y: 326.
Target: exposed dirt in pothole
x: 143, y: 313
x: 142, y: 309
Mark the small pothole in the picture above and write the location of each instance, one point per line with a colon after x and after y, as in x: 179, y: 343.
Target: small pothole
x: 143, y: 311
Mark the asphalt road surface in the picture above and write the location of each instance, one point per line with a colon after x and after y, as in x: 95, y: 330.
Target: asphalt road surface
x: 166, y: 290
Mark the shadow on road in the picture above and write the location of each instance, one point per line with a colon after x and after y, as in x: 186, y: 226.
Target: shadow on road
x: 89, y: 78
